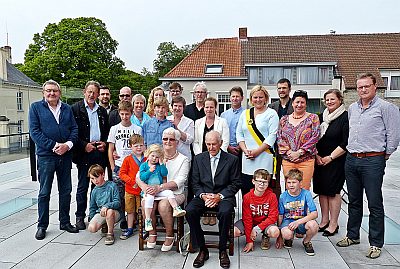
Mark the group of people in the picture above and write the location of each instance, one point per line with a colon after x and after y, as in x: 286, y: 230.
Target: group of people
x: 152, y: 156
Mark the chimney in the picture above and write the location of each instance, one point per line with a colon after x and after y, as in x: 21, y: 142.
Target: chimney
x: 243, y: 33
x: 7, y: 51
x: 5, y: 56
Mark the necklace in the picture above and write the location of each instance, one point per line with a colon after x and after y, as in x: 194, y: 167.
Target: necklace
x: 172, y: 157
x: 298, y: 117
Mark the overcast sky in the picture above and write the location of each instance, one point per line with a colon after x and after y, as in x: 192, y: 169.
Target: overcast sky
x: 140, y: 26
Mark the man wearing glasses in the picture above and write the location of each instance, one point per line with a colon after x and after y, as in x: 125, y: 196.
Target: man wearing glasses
x: 175, y: 89
x: 374, y: 135
x: 195, y: 110
x: 53, y: 129
x: 125, y: 94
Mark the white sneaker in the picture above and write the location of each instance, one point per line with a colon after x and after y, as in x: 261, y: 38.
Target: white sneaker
x: 148, y: 225
x: 179, y: 212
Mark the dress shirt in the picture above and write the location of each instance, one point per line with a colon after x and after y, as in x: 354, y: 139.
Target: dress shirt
x: 56, y: 114
x: 232, y: 117
x: 375, y: 128
x: 94, y: 121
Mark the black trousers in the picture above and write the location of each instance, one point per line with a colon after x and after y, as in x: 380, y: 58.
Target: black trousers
x: 196, y: 208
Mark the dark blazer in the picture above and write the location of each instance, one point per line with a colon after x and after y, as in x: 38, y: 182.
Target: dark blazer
x: 275, y: 106
x: 227, y: 177
x: 82, y: 120
x: 114, y: 118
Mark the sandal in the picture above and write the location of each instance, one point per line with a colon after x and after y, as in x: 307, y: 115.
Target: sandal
x: 151, y: 244
x: 168, y: 248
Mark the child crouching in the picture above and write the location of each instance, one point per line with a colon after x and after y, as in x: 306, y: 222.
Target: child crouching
x: 104, y: 210
x: 297, y: 213
x: 260, y: 213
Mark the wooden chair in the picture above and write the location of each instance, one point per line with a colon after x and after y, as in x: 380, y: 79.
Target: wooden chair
x: 143, y: 236
x: 215, y: 244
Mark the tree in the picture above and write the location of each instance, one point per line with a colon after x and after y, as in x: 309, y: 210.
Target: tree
x: 73, y: 52
x: 170, y: 55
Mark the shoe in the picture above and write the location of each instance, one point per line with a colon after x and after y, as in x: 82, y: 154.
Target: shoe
x: 345, y: 242
x: 148, y: 225
x: 104, y: 229
x: 288, y: 243
x: 109, y: 239
x: 299, y: 235
x: 224, y: 261
x: 374, y: 252
x: 309, y: 248
x: 168, y: 248
x: 201, y: 258
x: 265, y: 245
x: 151, y: 244
x: 328, y: 233
x: 127, y: 234
x: 179, y: 212
x: 206, y: 220
x: 80, y: 224
x: 322, y: 229
x: 40, y: 233
x: 123, y: 225
x: 69, y: 228
x: 212, y: 221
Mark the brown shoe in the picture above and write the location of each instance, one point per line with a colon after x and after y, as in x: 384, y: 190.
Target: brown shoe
x: 206, y: 220
x: 212, y: 221
x: 224, y: 261
x: 201, y: 258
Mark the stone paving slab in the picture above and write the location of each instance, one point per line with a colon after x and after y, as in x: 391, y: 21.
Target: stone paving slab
x: 56, y: 256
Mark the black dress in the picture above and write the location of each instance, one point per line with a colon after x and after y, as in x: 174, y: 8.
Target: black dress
x: 329, y: 179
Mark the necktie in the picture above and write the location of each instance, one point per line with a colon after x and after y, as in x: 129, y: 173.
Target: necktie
x: 213, y: 166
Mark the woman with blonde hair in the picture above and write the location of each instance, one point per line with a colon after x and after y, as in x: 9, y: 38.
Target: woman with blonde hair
x: 155, y: 94
x: 256, y: 135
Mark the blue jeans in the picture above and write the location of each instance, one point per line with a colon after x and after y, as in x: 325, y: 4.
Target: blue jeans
x: 47, y: 166
x: 366, y: 173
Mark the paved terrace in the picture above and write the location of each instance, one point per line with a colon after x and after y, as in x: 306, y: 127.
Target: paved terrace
x: 19, y: 248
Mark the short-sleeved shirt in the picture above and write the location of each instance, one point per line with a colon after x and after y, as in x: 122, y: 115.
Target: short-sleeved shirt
x: 296, y: 207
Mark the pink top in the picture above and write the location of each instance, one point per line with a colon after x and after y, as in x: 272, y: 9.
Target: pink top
x: 303, y: 136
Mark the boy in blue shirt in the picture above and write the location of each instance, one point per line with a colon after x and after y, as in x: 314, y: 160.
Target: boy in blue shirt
x: 105, y: 204
x: 297, y: 213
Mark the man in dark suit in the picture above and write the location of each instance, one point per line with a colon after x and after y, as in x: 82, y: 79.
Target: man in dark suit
x: 91, y: 147
x: 283, y: 107
x: 216, y: 180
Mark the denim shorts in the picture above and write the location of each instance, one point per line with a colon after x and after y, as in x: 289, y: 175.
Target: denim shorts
x: 301, y: 229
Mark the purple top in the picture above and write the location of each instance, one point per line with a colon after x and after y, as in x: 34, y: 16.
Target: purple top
x: 303, y: 136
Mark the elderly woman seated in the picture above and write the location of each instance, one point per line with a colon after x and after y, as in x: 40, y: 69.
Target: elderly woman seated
x: 178, y: 169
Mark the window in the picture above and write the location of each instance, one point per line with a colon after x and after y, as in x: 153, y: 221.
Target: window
x: 271, y: 75
x: 253, y: 76
x: 19, y: 101
x: 391, y: 79
x: 224, y: 102
x: 214, y: 69
x: 307, y: 75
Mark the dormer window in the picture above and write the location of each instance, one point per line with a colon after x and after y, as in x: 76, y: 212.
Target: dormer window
x: 214, y: 69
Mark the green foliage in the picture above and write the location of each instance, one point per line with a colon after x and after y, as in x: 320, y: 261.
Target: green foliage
x: 73, y: 52
x: 169, y: 55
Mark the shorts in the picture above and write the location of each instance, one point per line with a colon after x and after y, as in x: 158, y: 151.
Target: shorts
x: 240, y: 225
x: 101, y: 220
x: 301, y: 229
x: 132, y: 203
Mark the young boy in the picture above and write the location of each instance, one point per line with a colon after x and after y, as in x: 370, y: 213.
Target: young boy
x: 118, y: 145
x: 297, y: 213
x: 153, y: 128
x: 127, y: 173
x: 260, y: 213
x: 105, y: 206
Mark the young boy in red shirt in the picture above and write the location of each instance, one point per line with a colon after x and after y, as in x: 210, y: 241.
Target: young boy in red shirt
x: 259, y: 213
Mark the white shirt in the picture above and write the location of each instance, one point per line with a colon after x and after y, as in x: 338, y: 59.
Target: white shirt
x: 185, y: 125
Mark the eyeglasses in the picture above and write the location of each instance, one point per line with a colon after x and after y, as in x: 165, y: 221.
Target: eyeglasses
x: 200, y: 92
x: 124, y: 95
x: 178, y: 91
x: 367, y: 87
x: 261, y: 182
x: 166, y: 139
